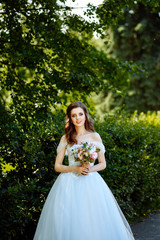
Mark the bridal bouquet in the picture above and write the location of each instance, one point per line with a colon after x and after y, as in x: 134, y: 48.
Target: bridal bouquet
x: 85, y: 153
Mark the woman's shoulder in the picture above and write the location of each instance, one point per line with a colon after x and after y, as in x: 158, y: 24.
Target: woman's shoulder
x: 62, y: 144
x: 63, y: 139
x: 96, y: 137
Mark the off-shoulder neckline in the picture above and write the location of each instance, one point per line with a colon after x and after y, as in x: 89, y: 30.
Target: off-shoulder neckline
x: 87, y: 142
x: 68, y: 146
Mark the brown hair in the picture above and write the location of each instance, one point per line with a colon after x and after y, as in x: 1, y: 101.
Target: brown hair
x: 70, y: 131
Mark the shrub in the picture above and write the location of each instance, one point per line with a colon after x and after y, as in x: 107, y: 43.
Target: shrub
x: 31, y: 153
x: 133, y: 161
x: 132, y: 172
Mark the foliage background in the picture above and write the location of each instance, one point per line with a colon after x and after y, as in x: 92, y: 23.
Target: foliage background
x: 136, y: 37
x: 132, y: 173
x: 49, y: 58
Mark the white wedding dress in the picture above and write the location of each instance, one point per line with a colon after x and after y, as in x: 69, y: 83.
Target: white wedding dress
x: 81, y: 208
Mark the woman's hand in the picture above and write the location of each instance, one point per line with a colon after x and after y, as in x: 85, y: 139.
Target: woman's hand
x: 81, y: 170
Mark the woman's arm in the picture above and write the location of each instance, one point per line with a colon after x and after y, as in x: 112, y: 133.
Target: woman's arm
x: 101, y: 163
x: 59, y: 167
x: 101, y: 158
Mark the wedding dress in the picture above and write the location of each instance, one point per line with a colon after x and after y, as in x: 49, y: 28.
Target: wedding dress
x: 81, y: 208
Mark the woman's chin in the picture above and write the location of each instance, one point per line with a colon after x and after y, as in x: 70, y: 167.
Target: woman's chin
x: 79, y: 124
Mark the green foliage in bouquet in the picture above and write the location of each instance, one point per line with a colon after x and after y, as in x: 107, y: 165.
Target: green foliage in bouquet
x: 85, y: 152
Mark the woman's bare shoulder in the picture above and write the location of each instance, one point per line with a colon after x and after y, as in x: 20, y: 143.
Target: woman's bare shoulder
x: 96, y: 137
x: 63, y: 139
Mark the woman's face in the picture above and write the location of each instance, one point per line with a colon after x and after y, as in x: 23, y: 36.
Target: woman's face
x: 78, y: 117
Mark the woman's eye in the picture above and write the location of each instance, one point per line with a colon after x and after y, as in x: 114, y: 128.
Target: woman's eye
x: 81, y: 114
x: 73, y: 115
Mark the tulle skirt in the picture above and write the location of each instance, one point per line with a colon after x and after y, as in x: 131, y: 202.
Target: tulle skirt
x: 82, y: 208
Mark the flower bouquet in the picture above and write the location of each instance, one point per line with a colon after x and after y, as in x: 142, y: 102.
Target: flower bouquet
x: 85, y: 153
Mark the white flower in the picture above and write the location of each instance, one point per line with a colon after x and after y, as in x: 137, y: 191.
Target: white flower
x: 85, y: 154
x: 93, y: 149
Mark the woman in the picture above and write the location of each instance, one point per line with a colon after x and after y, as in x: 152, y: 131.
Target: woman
x: 80, y: 206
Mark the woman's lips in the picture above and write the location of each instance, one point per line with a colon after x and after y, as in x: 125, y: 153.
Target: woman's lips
x: 78, y: 122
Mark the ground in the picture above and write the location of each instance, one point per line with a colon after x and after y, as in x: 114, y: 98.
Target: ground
x: 148, y: 229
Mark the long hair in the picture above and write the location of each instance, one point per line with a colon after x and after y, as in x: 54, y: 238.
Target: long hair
x: 70, y: 131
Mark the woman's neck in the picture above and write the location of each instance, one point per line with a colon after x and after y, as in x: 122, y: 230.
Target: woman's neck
x: 81, y: 131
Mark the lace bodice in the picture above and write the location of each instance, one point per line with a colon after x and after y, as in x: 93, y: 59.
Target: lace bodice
x: 69, y: 148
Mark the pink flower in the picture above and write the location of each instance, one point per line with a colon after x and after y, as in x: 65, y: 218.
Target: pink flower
x: 94, y: 155
x: 80, y: 155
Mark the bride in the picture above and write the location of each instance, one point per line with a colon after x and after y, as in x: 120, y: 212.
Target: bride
x: 80, y: 206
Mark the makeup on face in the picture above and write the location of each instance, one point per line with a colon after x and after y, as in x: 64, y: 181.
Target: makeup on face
x: 78, y: 116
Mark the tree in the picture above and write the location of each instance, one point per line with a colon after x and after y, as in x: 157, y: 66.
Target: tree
x: 45, y: 53
x: 137, y: 38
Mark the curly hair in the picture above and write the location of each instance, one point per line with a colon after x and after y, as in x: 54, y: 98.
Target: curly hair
x: 70, y: 131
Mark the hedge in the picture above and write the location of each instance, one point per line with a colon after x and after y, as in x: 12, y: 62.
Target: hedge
x: 133, y: 161
x: 132, y: 172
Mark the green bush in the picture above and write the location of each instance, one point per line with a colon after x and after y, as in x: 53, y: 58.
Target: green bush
x: 31, y: 153
x: 133, y: 161
x: 132, y: 172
